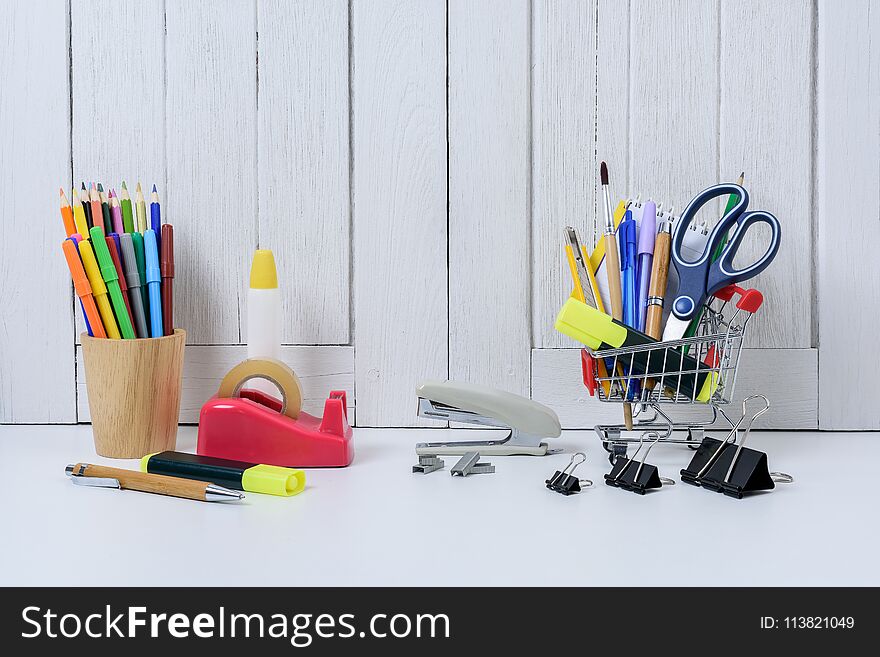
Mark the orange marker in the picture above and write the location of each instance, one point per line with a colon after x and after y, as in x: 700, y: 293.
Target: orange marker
x: 67, y: 215
x: 83, y: 288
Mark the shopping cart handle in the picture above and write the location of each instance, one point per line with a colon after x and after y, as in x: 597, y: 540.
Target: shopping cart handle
x: 750, y: 300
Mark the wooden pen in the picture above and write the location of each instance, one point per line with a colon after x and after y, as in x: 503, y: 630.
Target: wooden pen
x: 86, y: 474
x: 657, y: 288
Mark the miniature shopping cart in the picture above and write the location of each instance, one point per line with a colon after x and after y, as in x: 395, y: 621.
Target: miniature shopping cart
x: 696, y: 375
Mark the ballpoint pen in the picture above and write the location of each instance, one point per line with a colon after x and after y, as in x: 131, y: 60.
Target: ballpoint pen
x: 125, y: 202
x: 154, y: 284
x: 67, y: 215
x: 134, y: 282
x: 141, y: 208
x: 647, y: 236
x: 612, y: 268
x: 628, y: 246
x: 111, y: 278
x: 166, y: 263
x: 86, y: 474
x: 99, y: 289
x: 82, y: 288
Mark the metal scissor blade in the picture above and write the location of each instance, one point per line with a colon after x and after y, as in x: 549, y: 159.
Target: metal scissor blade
x: 581, y: 267
x: 675, y: 328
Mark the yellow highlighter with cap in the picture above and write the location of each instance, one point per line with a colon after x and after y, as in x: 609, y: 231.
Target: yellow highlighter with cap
x: 99, y: 289
x: 235, y: 475
x: 582, y: 276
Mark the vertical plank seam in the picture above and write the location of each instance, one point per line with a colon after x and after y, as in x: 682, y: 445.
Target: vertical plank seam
x: 814, y: 171
x: 718, y: 95
x: 256, y: 127
x: 594, y: 237
x: 351, y: 313
x: 630, y: 149
x: 70, y: 153
x: 814, y: 204
x: 531, y: 182
x: 448, y: 236
x: 165, y: 189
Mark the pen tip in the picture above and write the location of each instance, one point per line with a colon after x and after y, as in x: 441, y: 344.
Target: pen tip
x: 603, y: 173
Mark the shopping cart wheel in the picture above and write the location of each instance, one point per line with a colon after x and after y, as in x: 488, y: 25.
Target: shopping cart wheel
x: 695, y: 438
x: 615, y: 451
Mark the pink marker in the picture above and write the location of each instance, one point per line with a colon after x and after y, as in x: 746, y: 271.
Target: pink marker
x: 116, y: 213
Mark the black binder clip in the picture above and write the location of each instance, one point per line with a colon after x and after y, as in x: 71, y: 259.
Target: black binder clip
x: 726, y: 466
x: 638, y: 479
x: 564, y: 481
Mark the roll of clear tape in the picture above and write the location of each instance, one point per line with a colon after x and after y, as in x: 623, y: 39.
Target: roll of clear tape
x: 271, y: 370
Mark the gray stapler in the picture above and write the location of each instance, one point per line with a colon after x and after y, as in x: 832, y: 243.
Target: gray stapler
x: 529, y: 422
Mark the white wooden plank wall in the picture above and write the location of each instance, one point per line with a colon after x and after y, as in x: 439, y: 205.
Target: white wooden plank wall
x: 849, y: 219
x: 118, y: 96
x: 412, y: 163
x: 399, y: 201
x: 211, y: 112
x: 303, y: 163
x: 766, y: 130
x: 36, y: 320
x: 489, y: 184
x: 563, y: 149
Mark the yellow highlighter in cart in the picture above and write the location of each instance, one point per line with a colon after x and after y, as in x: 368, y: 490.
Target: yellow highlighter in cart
x: 602, y: 333
x: 585, y: 288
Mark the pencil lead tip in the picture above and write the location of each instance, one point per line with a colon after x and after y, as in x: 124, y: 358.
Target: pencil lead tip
x: 138, y: 187
x: 742, y: 174
x: 61, y: 190
x: 154, y: 187
x: 603, y: 173
x: 123, y: 185
x: 100, y: 187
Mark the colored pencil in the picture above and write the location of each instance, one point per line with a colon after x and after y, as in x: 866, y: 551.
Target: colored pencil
x: 79, y: 214
x: 87, y: 208
x: 95, y: 203
x: 67, y: 214
x: 116, y: 213
x: 141, y: 208
x: 125, y: 201
x: 105, y: 209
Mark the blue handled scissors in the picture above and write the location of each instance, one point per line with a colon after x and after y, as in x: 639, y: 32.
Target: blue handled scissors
x: 701, y: 278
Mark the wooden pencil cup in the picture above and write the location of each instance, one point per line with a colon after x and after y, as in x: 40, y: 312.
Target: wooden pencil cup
x: 134, y: 393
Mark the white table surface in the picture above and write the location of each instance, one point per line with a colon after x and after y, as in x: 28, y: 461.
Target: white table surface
x: 376, y: 523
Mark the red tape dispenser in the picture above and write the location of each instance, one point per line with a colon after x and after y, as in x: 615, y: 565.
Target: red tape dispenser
x: 249, y: 425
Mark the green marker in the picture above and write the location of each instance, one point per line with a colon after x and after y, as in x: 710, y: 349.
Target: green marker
x: 141, y: 256
x: 127, y: 217
x: 111, y: 277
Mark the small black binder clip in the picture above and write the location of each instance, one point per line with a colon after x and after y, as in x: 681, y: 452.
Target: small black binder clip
x: 726, y: 466
x: 564, y: 481
x: 637, y: 476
